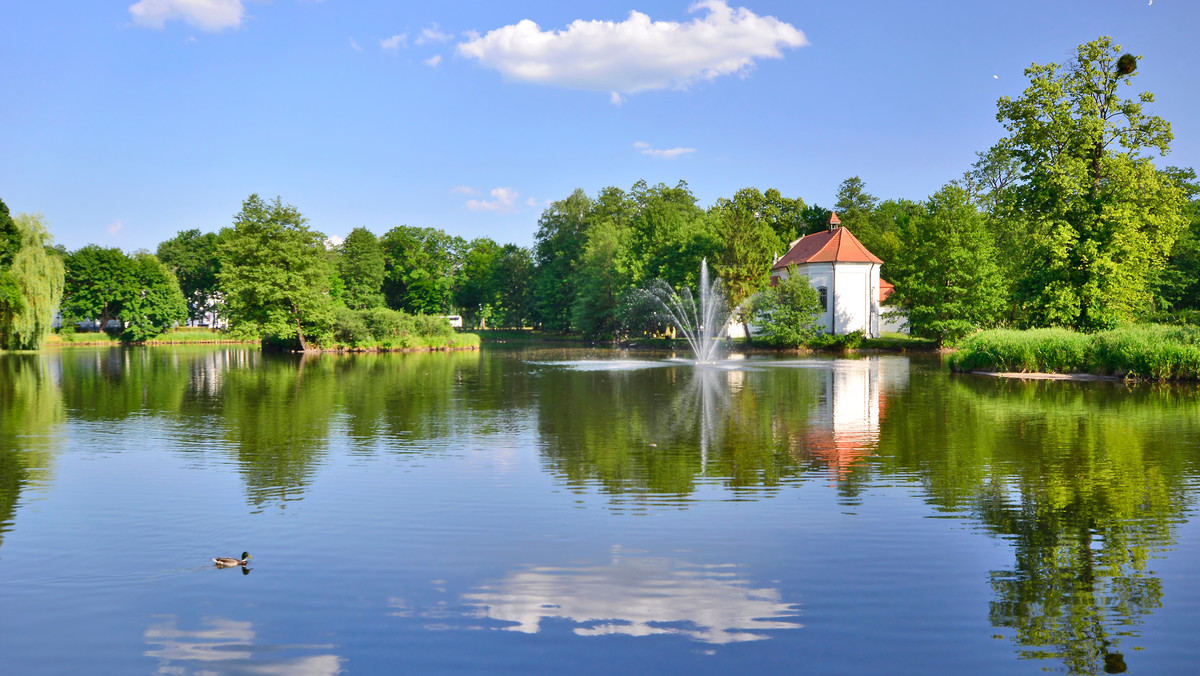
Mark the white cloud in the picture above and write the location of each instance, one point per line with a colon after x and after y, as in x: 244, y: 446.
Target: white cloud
x: 531, y: 202
x: 661, y: 154
x: 209, y: 15
x: 113, y: 228
x: 505, y: 199
x: 462, y: 190
x: 433, y: 60
x: 333, y: 241
x: 395, y: 42
x: 636, y: 54
x: 433, y: 34
x: 354, y: 45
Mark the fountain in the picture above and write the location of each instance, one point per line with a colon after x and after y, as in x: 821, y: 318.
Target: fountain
x: 703, y: 323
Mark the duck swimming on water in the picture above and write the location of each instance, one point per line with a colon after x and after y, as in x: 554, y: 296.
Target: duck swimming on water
x: 227, y: 562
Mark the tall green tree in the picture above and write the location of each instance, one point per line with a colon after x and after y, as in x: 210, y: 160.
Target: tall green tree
x: 275, y: 273
x: 512, y: 279
x: 192, y: 256
x: 1096, y: 219
x: 474, y: 293
x: 31, y: 285
x: 558, y: 247
x: 1179, y: 283
x: 749, y: 244
x: 420, y: 264
x: 155, y: 302
x: 604, y: 271
x: 361, y: 266
x: 948, y: 283
x: 99, y: 281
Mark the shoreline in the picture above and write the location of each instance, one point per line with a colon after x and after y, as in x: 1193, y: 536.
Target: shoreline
x: 1038, y: 375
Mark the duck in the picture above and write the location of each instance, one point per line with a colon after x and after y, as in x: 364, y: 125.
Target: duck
x: 227, y: 562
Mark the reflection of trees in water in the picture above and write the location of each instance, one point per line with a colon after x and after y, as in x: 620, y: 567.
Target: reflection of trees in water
x: 228, y: 647
x: 638, y: 596
x: 654, y: 432
x: 31, y: 410
x: 1086, y: 481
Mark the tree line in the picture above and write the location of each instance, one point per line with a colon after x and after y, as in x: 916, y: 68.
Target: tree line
x: 1066, y: 221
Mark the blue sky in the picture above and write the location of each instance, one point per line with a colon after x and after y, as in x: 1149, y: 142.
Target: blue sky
x: 126, y: 121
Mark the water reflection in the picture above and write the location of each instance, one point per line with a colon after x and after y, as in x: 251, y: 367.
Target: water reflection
x: 227, y: 646
x: 31, y: 413
x: 638, y: 596
x: 1085, y: 482
x: 844, y: 424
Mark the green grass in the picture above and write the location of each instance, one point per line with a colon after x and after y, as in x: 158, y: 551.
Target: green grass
x: 899, y: 342
x: 1141, y: 351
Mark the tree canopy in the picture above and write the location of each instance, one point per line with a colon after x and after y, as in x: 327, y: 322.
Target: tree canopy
x: 275, y: 274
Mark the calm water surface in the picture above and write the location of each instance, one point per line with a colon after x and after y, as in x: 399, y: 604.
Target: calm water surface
x: 588, y: 512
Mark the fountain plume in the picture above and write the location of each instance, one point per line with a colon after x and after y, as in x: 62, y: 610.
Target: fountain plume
x: 703, y: 320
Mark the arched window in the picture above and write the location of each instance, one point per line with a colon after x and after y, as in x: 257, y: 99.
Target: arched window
x: 824, y: 294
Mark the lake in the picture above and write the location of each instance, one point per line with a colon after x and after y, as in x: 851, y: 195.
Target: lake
x: 547, y: 510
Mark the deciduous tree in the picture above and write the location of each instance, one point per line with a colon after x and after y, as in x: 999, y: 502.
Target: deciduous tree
x: 275, y: 272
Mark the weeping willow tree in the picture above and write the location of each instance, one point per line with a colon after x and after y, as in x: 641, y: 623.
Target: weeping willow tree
x: 31, y: 286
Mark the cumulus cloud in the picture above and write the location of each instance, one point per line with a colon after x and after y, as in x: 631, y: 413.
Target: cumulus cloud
x: 462, y: 190
x: 114, y: 227
x: 395, y: 42
x: 354, y: 45
x: 434, y: 60
x: 665, y: 154
x: 505, y: 199
x: 637, y: 54
x: 209, y: 15
x: 433, y: 34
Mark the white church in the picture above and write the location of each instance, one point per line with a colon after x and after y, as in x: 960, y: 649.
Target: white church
x: 846, y: 275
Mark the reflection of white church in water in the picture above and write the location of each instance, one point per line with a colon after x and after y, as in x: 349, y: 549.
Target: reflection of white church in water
x: 844, y: 424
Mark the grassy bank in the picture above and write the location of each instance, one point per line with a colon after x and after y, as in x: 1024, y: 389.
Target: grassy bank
x: 1142, y: 351
x: 444, y: 341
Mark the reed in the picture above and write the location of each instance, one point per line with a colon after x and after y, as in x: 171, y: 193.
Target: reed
x: 1138, y: 351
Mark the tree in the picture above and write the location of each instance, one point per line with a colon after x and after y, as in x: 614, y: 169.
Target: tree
x: 155, y: 303
x: 603, y: 272
x: 420, y: 264
x: 98, y: 282
x: 749, y: 245
x: 787, y: 312
x: 360, y: 265
x: 558, y: 246
x: 105, y: 284
x: 31, y: 285
x: 1096, y: 219
x: 854, y: 205
x: 948, y: 283
x: 275, y: 273
x: 192, y: 257
x: 1179, y: 284
x: 474, y: 291
x: 512, y: 277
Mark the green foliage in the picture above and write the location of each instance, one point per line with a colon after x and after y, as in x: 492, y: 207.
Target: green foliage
x: 419, y: 269
x: 836, y: 341
x: 192, y: 257
x: 275, y: 274
x: 10, y: 237
x: 786, y: 313
x: 558, y: 247
x: 948, y: 282
x: 385, y: 328
x: 475, y: 292
x: 360, y: 266
x: 31, y: 287
x: 603, y: 272
x: 512, y: 284
x: 1094, y: 221
x: 155, y: 303
x: 1147, y: 351
x: 749, y: 244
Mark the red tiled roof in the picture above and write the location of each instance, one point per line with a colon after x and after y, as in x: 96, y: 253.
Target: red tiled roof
x: 832, y: 246
x: 833, y: 219
x: 886, y: 289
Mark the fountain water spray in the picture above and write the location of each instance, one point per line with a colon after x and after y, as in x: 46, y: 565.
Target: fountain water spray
x: 701, y: 321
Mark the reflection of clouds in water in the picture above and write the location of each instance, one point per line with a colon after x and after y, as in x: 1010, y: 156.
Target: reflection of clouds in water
x: 227, y: 646
x: 638, y: 596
